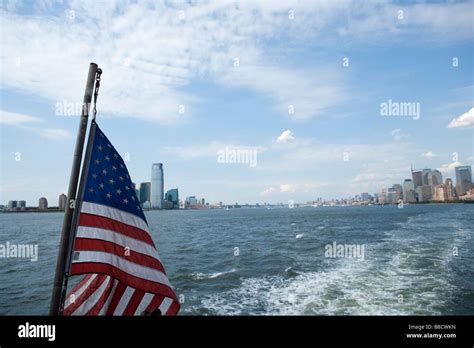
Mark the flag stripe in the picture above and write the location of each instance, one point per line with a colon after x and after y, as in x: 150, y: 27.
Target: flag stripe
x: 97, y: 282
x: 107, y: 223
x: 134, y: 302
x: 119, y: 290
x: 117, y: 238
x: 131, y: 268
x: 114, y: 214
x: 145, y: 302
x: 136, y: 282
x: 102, y: 298
x: 79, y: 289
x: 83, y: 244
x: 124, y: 300
x: 104, y: 308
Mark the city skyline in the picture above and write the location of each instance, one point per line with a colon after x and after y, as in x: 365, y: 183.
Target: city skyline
x: 275, y: 106
x: 143, y: 191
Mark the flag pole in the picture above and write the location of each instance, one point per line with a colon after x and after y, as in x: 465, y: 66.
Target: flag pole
x: 58, y: 284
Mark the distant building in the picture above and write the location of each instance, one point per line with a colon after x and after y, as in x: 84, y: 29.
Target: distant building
x: 12, y: 205
x: 173, y: 197
x: 145, y: 192
x: 417, y: 177
x: 157, y: 186
x: 191, y: 201
x: 408, y: 191
x: 440, y: 193
x: 62, y: 201
x: 202, y: 201
x: 450, y: 191
x: 463, y: 179
x: 364, y: 196
x: 434, y: 177
x: 43, y: 203
x: 423, y: 193
x: 397, y: 188
x: 21, y: 205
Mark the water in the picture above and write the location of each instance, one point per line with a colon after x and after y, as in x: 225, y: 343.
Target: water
x: 280, y: 267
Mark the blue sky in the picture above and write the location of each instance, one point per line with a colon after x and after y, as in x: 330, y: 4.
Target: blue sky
x: 185, y: 80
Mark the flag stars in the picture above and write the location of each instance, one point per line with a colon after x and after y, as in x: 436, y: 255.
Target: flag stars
x: 119, y: 191
x: 121, y: 178
x: 94, y: 176
x: 108, y: 195
x: 107, y: 158
x: 111, y: 181
x: 91, y: 190
x: 114, y: 168
x: 115, y: 155
x: 97, y: 161
x: 101, y: 185
x: 125, y: 200
x: 104, y: 172
x: 100, y: 147
x: 110, y: 146
x: 121, y: 165
x: 133, y: 198
x: 127, y: 188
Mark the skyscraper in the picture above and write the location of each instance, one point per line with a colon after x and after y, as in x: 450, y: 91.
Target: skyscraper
x: 173, y: 197
x: 62, y: 201
x: 408, y: 191
x: 463, y: 179
x: 157, y: 186
x: 417, y: 176
x: 43, y: 203
x: 145, y: 192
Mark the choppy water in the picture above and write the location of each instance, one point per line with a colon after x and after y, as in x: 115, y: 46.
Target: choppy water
x: 281, y: 268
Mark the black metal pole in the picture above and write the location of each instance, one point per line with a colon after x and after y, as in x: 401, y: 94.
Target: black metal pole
x: 58, y: 285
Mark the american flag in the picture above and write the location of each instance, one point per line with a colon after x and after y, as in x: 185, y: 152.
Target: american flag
x: 113, y: 247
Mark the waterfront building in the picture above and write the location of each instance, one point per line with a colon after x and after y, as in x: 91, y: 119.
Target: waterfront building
x: 463, y: 179
x: 408, y: 191
x: 435, y: 178
x: 423, y: 193
x: 145, y: 192
x: 62, y: 201
x: 157, y: 186
x: 172, y: 196
x: 43, y: 203
x: 450, y: 191
x: 417, y: 177
x: 191, y: 201
x: 12, y: 205
x: 397, y: 188
x: 440, y: 193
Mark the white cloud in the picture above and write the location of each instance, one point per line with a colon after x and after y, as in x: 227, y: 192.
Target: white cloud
x: 285, y: 136
x: 158, y: 50
x: 428, y: 154
x: 24, y: 122
x: 15, y: 119
x: 293, y: 187
x: 211, y: 149
x: 54, y: 133
x: 448, y: 169
x: 398, y: 135
x: 466, y: 120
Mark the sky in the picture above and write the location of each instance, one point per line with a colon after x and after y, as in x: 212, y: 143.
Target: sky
x: 297, y: 86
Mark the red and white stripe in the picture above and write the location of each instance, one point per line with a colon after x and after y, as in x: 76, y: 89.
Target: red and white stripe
x: 124, y: 274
